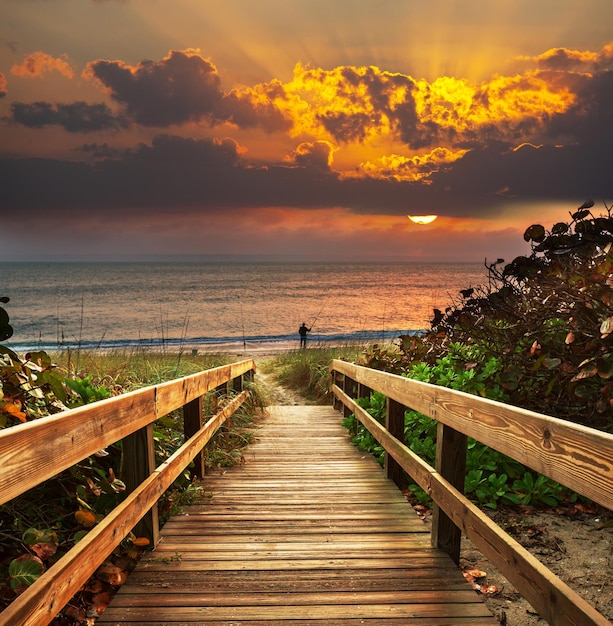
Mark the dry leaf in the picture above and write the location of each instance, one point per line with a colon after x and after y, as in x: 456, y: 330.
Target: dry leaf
x: 112, y: 574
x: 44, y: 550
x: 85, y: 518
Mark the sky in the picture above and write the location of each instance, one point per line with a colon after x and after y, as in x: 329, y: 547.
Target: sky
x: 299, y: 128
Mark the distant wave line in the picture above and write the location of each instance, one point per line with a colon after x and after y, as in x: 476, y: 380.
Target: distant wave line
x: 363, y: 336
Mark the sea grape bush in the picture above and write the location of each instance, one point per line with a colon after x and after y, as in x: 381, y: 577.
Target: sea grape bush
x: 539, y: 335
x: 41, y: 525
x: 544, y: 322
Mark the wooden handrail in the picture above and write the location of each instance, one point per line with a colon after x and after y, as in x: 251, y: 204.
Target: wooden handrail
x: 578, y: 457
x: 104, y: 422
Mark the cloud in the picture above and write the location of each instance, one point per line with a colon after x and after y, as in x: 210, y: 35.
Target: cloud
x: 37, y: 64
x: 415, y: 168
x: 370, y: 141
x: 182, y: 87
x: 317, y: 155
x: 565, y: 60
x: 365, y: 105
x: 75, y: 117
x: 3, y: 85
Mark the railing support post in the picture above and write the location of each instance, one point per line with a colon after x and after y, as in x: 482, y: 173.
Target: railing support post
x: 349, y: 388
x: 451, y: 464
x: 192, y: 423
x: 363, y: 392
x: 139, y: 463
x: 394, y: 422
x: 337, y: 379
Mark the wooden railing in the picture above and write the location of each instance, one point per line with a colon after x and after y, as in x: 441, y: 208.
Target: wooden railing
x: 575, y: 456
x: 33, y: 452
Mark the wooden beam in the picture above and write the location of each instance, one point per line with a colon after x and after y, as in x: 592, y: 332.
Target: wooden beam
x: 40, y: 602
x: 139, y: 464
x: 451, y: 465
x: 555, y: 601
x: 192, y: 423
x: 34, y: 452
x: 576, y: 456
x: 394, y: 422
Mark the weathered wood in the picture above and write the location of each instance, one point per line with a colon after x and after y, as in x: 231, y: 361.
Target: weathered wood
x: 451, y: 465
x: 394, y: 422
x: 34, y: 452
x: 139, y: 464
x: 40, y: 602
x: 192, y: 423
x: 295, y: 536
x: 576, y: 456
x: 553, y: 599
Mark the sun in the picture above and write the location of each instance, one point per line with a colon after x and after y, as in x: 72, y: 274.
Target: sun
x: 422, y: 219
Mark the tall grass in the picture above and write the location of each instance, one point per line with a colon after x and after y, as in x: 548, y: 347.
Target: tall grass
x: 133, y: 369
x: 306, y: 371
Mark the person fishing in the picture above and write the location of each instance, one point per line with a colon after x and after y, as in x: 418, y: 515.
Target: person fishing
x: 302, y: 331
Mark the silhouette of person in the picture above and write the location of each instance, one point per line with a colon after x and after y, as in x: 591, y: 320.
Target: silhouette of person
x: 302, y: 331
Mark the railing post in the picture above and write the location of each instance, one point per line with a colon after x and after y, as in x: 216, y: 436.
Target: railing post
x: 451, y: 464
x: 363, y: 392
x: 192, y: 423
x: 349, y: 387
x: 337, y: 379
x: 139, y: 463
x: 394, y: 422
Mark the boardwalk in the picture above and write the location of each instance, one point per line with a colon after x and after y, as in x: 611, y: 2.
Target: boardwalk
x: 306, y: 531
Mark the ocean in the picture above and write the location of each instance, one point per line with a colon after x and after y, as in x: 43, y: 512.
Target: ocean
x: 213, y: 305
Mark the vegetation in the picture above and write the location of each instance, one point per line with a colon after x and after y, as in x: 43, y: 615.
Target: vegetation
x: 306, y: 371
x: 39, y: 526
x: 539, y: 335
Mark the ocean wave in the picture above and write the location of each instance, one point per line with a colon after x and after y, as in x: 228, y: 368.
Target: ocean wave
x: 363, y: 336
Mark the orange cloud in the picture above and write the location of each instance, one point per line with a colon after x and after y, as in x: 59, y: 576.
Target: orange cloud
x: 318, y: 154
x: 563, y: 59
x: 411, y: 168
x: 37, y: 64
x: 354, y: 107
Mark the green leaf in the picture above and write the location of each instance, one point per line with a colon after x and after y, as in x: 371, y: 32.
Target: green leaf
x: 24, y: 570
x: 536, y: 232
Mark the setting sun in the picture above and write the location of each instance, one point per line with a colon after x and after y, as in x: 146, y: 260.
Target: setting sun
x: 422, y: 219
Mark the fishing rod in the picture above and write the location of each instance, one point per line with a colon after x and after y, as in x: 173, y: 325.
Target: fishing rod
x: 319, y: 312
x: 243, y: 326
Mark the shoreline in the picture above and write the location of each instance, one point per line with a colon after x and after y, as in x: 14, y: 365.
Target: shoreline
x: 234, y: 347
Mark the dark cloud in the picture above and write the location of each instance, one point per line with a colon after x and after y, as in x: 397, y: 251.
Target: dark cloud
x: 565, y: 60
x: 174, y: 175
x: 3, y: 85
x: 75, y: 117
x: 177, y: 174
x: 590, y: 119
x: 182, y: 87
x: 317, y: 155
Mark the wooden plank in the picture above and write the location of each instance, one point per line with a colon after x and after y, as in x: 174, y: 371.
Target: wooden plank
x: 34, y: 452
x: 40, y: 602
x: 451, y: 465
x: 312, y: 545
x: 555, y: 601
x: 329, y: 612
x: 576, y: 456
x: 139, y: 459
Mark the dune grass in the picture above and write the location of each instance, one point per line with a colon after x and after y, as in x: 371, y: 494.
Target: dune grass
x: 306, y: 371
x: 132, y: 369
